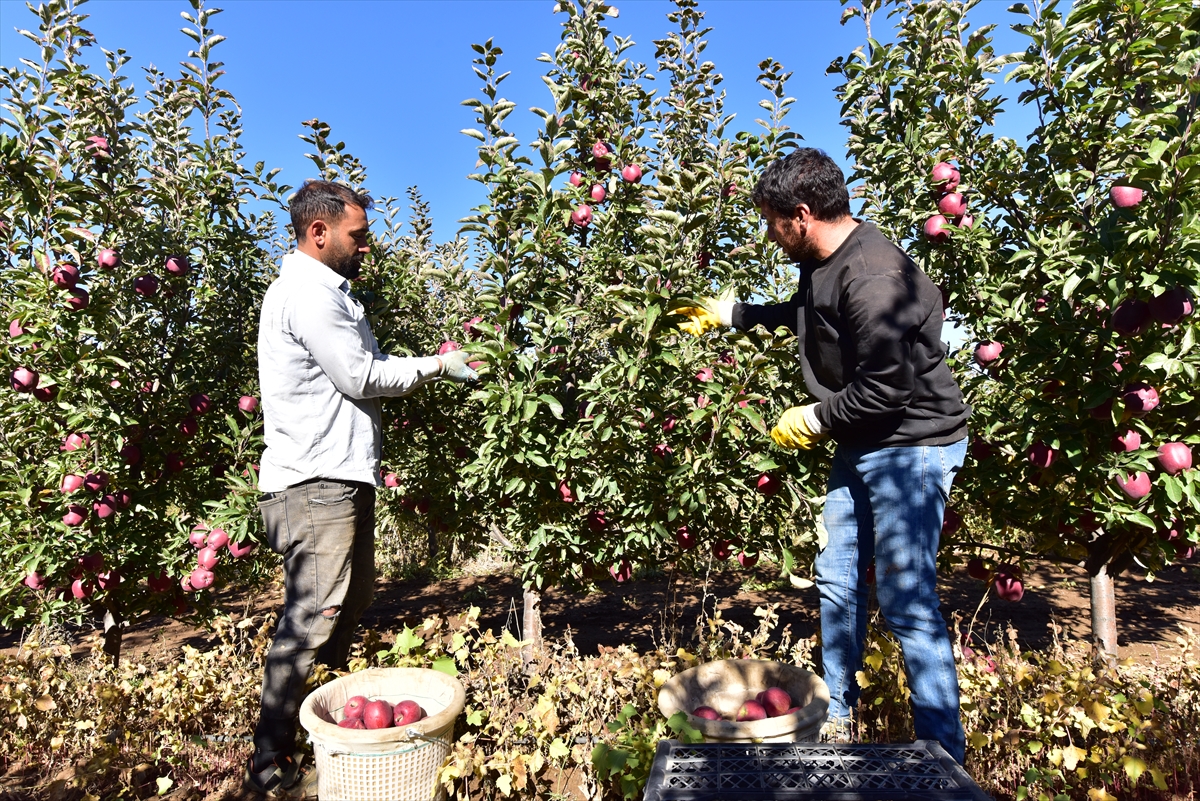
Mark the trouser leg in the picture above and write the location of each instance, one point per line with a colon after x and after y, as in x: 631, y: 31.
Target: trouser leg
x: 361, y: 590
x: 908, y: 490
x: 841, y: 567
x: 316, y: 527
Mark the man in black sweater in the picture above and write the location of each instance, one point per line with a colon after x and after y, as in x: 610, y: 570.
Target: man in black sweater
x: 869, y: 326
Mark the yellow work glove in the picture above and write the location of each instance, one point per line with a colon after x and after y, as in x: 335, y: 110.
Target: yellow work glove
x: 798, y: 427
x: 704, y: 318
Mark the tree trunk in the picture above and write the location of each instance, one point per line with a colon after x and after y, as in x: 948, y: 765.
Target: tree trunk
x: 531, y: 626
x: 1104, y: 613
x: 431, y: 531
x: 114, y: 625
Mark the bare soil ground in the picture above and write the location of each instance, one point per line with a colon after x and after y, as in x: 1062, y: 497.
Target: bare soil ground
x: 1149, y: 612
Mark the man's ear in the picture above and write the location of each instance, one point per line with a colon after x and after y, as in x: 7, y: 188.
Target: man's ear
x: 318, y: 233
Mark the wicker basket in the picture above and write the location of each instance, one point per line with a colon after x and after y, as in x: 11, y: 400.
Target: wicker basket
x: 396, y: 764
x: 725, y: 684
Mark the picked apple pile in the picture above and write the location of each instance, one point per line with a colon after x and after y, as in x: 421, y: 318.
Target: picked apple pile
x: 376, y: 713
x: 770, y: 703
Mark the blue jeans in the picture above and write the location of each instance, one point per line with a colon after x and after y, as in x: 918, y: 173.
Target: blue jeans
x: 886, y: 505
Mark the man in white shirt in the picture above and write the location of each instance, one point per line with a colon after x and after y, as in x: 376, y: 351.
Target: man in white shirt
x: 322, y: 375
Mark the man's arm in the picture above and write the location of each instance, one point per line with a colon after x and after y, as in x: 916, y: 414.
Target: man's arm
x: 323, y: 325
x: 745, y: 316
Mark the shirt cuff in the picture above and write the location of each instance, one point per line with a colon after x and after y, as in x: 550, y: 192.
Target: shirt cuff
x: 724, y: 309
x: 809, y: 413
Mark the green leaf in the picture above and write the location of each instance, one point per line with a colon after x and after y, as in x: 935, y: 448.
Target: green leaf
x: 446, y: 665
x: 406, y: 641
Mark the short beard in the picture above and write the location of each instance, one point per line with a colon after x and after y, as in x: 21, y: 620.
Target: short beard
x: 347, y: 265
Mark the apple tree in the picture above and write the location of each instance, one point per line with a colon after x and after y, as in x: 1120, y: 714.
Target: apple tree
x: 1071, y: 257
x: 133, y: 272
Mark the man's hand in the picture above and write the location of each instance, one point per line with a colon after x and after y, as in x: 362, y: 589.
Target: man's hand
x: 455, y: 367
x: 798, y: 427
x: 702, y: 319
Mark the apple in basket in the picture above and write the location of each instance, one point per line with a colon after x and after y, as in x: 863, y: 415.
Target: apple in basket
x: 355, y: 706
x: 706, y: 713
x: 775, y: 701
x: 377, y: 714
x: 352, y: 723
x: 408, y: 712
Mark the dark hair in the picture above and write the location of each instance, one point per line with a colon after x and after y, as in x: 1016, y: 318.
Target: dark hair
x: 322, y: 200
x: 806, y: 175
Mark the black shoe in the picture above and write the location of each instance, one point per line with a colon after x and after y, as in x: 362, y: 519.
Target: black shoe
x: 275, y: 780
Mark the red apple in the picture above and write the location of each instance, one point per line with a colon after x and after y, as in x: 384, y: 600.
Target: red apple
x: 597, y: 521
x: 685, y: 539
x: 730, y: 189
x: 1171, y: 306
x: 76, y: 515
x: 1174, y: 457
x: 600, y: 150
x: 81, y: 589
x: 706, y: 713
x: 146, y: 285
x: 24, y: 380
x: 751, y: 710
x: 1040, y: 305
x: 377, y: 714
x: 240, y: 550
x: 198, y: 537
x: 1125, y: 197
x: 576, y: 179
x: 74, y: 441
x: 15, y: 329
x: 185, y: 584
x: 207, y: 558
x: 942, y: 173
x: 35, y: 580
x: 965, y: 221
x: 448, y: 346
x: 705, y: 375
x: 621, y: 571
x: 747, y: 560
x: 79, y: 299
x: 108, y: 259
x: 662, y: 450
x: 1041, y: 455
x: 976, y: 569
x: 391, y: 480
x: 131, y: 454
x: 582, y: 215
x: 1103, y: 411
x: 423, y: 505
x: 1136, y: 486
x: 776, y: 701
x: 669, y: 422
x: 721, y: 550
x: 987, y: 352
x: 189, y: 427
x: 217, y: 539
x: 1139, y: 398
x: 46, y: 393
x: 123, y: 498
x: 106, y: 507
x: 199, y: 403
x: 597, y: 194
x: 65, y: 276
x: 174, y: 462
x: 247, y: 403
x: 767, y: 484
x: 1184, y: 551
x: 70, y: 483
x: 108, y: 579
x: 469, y: 327
x: 407, y: 712
x: 352, y: 723
x: 94, y: 482
x: 935, y: 229
x: 980, y: 449
x: 564, y: 492
x: 631, y: 173
x: 178, y: 265
x: 953, y: 204
x: 355, y: 706
x: 1126, y: 443
x: 201, y: 578
x: 1130, y: 316
x: 1008, y: 584
x: 160, y: 583
x: 97, y: 146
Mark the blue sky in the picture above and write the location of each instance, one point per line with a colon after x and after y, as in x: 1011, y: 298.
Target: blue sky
x: 389, y: 77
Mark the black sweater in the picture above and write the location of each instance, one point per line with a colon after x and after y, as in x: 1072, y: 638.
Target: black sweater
x: 870, y: 326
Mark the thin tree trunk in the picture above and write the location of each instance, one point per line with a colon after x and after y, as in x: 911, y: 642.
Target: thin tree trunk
x: 431, y: 532
x: 114, y: 625
x: 531, y: 626
x: 1104, y: 613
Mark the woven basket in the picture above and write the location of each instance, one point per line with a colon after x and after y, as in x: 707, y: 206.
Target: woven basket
x: 725, y: 684
x: 396, y: 764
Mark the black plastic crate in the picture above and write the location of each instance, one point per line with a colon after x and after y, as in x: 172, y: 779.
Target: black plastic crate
x: 825, y: 771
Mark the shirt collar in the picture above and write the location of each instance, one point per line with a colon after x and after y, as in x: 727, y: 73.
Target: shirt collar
x: 305, y: 267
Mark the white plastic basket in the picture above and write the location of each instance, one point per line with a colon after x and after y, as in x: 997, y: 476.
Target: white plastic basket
x: 725, y: 684
x: 396, y: 764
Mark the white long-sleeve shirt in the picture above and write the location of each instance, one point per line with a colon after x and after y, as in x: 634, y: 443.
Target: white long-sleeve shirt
x: 321, y: 373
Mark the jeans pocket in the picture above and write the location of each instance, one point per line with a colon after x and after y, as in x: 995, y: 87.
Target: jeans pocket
x: 332, y: 493
x: 275, y: 521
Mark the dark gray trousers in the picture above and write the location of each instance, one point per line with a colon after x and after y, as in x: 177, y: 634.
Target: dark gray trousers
x: 325, y: 531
